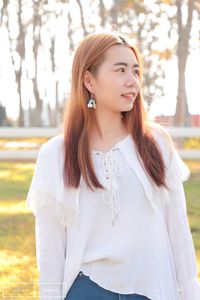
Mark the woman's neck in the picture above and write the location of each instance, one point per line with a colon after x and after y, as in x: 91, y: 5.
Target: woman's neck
x: 110, y: 130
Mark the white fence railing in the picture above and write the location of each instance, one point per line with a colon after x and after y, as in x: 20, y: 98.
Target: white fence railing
x: 50, y: 132
x: 17, y: 132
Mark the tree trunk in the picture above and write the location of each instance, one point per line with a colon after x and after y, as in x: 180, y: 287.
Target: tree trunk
x: 37, y: 118
x: 21, y: 52
x: 102, y: 12
x: 70, y: 31
x: 20, y: 48
x: 182, y: 112
x: 53, y: 112
x: 82, y: 17
x: 3, y: 11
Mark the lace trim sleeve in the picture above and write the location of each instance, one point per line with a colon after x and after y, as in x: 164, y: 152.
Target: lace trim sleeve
x: 38, y: 199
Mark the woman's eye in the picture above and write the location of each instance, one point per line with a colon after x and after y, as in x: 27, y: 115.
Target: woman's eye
x: 121, y: 69
x: 137, y: 72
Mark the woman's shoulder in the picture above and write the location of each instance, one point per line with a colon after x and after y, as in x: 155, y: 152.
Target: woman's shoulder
x: 44, y: 185
x: 51, y: 154
x: 177, y: 169
x: 162, y: 138
x: 159, y: 131
x: 53, y: 145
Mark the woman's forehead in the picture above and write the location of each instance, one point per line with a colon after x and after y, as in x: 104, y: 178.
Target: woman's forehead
x: 120, y: 53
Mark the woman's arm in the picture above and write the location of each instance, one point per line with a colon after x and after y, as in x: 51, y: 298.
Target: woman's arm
x: 50, y: 234
x: 50, y: 250
x: 179, y: 231
x: 182, y: 245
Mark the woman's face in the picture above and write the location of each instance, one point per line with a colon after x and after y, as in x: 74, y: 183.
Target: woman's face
x: 117, y: 84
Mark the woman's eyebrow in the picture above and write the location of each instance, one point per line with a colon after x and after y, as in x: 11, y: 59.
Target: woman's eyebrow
x: 125, y: 64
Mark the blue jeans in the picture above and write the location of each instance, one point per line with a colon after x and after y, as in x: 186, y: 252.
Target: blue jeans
x: 83, y: 288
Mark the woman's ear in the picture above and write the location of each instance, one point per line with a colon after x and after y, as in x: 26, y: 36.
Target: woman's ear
x: 88, y: 81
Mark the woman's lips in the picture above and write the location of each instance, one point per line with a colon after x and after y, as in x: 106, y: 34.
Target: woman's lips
x: 128, y: 96
x: 131, y: 95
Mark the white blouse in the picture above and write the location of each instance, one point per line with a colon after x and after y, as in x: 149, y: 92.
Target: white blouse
x: 129, y: 238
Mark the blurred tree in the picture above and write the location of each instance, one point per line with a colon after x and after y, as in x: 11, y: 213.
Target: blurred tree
x: 36, y: 113
x: 146, y: 21
x: 3, y: 116
x: 35, y: 26
x: 17, y: 49
x: 102, y: 13
x: 3, y: 10
x: 137, y: 20
x: 70, y: 33
x: 82, y: 17
x: 182, y: 117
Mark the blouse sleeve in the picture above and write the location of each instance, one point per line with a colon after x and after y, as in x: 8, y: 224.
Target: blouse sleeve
x: 49, y: 233
x: 179, y: 231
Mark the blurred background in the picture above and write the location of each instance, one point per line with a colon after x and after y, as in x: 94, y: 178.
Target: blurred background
x: 37, y: 44
x: 38, y: 39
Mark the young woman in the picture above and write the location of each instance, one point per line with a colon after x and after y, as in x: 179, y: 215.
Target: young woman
x: 107, y: 194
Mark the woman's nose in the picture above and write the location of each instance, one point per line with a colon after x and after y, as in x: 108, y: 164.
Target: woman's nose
x: 132, y: 79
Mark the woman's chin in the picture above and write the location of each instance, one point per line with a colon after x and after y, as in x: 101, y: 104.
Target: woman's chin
x: 128, y: 107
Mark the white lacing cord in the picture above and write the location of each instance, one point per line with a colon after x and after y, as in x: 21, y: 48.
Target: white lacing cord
x: 111, y: 170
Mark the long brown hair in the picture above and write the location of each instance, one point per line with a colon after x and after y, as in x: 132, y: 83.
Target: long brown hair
x: 78, y: 119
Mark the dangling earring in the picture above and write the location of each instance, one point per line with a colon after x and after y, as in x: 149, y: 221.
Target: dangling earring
x: 91, y: 103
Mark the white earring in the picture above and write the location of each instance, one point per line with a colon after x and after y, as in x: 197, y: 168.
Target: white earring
x: 91, y: 103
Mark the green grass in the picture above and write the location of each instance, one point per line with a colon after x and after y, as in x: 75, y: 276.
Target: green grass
x: 192, y: 191
x: 192, y: 143
x: 34, y: 143
x: 21, y: 143
x: 17, y: 242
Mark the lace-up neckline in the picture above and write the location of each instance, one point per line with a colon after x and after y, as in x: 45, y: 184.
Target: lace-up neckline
x: 111, y: 170
x: 94, y: 151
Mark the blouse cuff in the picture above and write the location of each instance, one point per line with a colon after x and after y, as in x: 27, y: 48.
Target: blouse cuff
x: 50, y: 291
x: 190, y: 290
